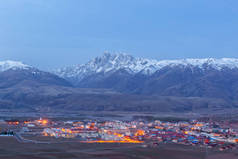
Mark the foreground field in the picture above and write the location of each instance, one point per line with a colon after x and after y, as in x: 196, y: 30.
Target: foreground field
x: 11, y: 149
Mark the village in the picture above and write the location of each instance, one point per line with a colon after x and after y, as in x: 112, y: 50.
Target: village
x: 147, y: 133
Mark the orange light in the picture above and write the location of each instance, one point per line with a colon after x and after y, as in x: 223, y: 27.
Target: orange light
x: 13, y: 123
x: 63, y: 129
x: 45, y: 134
x: 140, y: 133
x: 123, y: 139
x: 159, y: 127
x: 44, y: 122
x: 198, y: 125
x: 112, y: 141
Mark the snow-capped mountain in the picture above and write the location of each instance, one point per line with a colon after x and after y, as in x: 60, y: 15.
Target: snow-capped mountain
x: 16, y: 72
x: 207, y: 77
x: 14, y: 65
x: 110, y: 63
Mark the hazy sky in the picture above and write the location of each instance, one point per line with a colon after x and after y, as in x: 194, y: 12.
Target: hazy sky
x: 55, y: 33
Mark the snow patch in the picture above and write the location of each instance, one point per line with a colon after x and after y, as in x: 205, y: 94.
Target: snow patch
x: 14, y: 65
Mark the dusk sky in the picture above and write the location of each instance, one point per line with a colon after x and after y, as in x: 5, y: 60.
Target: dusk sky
x: 56, y: 33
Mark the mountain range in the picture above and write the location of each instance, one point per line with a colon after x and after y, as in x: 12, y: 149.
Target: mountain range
x: 216, y: 78
x: 122, y: 82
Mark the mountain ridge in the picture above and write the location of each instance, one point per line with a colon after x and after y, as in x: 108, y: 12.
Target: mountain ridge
x: 108, y: 63
x: 9, y: 64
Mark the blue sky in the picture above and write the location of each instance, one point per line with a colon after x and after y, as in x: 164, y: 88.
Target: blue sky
x: 55, y: 33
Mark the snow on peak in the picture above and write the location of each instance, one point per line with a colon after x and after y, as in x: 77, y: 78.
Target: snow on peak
x: 214, y: 63
x: 113, y: 62
x: 14, y: 65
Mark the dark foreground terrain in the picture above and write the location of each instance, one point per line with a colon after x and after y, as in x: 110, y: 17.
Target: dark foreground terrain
x: 11, y: 149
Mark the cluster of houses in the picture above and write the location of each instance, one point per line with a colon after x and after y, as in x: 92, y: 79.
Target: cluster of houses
x: 208, y: 134
x: 192, y: 133
x: 188, y: 133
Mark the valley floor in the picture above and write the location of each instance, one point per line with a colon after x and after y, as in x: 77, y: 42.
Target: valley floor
x: 10, y: 148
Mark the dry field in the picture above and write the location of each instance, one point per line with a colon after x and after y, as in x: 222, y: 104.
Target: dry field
x: 11, y: 149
